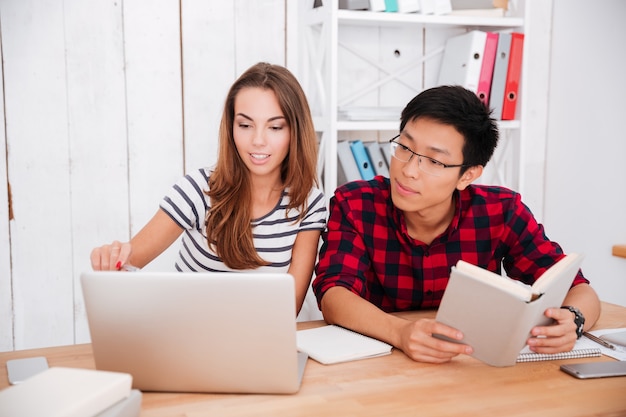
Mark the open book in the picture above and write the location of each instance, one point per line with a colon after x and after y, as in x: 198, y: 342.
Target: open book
x: 496, y: 313
x: 333, y: 344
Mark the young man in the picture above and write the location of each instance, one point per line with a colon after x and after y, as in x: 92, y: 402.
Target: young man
x: 390, y: 243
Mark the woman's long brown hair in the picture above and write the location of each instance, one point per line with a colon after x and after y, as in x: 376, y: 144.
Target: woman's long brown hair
x: 228, y: 228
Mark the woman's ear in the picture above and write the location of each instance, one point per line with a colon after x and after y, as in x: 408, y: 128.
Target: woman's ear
x: 469, y: 176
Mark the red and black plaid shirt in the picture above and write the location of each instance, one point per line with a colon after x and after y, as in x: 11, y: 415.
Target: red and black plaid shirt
x: 367, y: 248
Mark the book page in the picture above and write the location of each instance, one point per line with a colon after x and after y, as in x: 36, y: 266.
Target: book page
x: 514, y: 287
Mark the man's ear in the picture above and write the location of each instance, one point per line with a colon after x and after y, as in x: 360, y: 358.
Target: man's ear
x: 469, y: 176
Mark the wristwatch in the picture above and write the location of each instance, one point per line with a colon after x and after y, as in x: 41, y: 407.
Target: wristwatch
x: 579, y: 320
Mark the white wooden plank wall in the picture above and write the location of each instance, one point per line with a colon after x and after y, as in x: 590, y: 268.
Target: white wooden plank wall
x: 6, y: 299
x: 98, y: 177
x: 36, y: 111
x: 106, y: 104
x: 209, y: 57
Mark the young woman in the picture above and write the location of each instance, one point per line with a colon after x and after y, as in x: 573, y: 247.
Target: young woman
x: 259, y: 208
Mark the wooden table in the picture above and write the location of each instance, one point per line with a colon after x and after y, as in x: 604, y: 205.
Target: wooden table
x: 394, y: 385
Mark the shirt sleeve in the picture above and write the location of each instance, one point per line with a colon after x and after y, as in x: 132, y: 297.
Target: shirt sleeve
x: 531, y: 252
x: 315, y: 217
x: 343, y: 256
x: 186, y: 202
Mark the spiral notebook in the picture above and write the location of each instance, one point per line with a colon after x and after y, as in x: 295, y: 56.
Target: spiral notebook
x: 334, y: 344
x: 584, y: 348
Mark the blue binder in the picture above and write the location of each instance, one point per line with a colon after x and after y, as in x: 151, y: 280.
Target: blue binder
x: 378, y: 160
x: 391, y: 5
x: 363, y: 161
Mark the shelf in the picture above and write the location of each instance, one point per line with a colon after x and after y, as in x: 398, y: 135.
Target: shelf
x: 331, y: 57
x: 368, y: 125
x: 395, y: 125
x: 382, y: 18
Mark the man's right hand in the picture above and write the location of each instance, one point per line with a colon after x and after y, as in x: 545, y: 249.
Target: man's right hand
x: 417, y: 342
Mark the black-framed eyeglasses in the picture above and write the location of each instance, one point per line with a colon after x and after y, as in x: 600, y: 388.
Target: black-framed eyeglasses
x: 425, y: 163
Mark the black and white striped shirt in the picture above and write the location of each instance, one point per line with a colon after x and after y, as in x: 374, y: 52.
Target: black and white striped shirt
x: 274, y: 234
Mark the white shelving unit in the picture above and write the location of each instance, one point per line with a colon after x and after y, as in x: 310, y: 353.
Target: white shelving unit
x: 376, y: 59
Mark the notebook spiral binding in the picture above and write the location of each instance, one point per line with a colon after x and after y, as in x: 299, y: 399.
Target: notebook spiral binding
x: 572, y: 354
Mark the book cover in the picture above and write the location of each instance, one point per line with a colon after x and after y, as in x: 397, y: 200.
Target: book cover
x: 334, y: 344
x: 496, y: 313
x: 65, y: 392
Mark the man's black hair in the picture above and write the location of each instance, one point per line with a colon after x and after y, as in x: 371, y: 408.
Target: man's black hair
x: 462, y: 109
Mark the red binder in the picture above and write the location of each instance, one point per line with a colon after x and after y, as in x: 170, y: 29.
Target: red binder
x: 513, y: 76
x: 486, y: 71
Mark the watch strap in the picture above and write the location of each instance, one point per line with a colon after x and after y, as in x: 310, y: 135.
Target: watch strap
x: 579, y: 320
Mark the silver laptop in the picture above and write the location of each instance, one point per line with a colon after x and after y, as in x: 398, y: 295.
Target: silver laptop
x: 196, y: 332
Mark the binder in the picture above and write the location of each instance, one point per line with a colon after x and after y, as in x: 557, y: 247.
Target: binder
x: 513, y: 76
x: 362, y: 160
x: 462, y: 60
x: 354, y: 4
x: 428, y: 6
x: 498, y: 82
x: 486, y: 71
x: 377, y: 5
x: 408, y: 6
x: 377, y: 158
x: 435, y: 7
x: 386, y: 148
x: 391, y: 6
x: 479, y: 8
x: 347, y: 168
